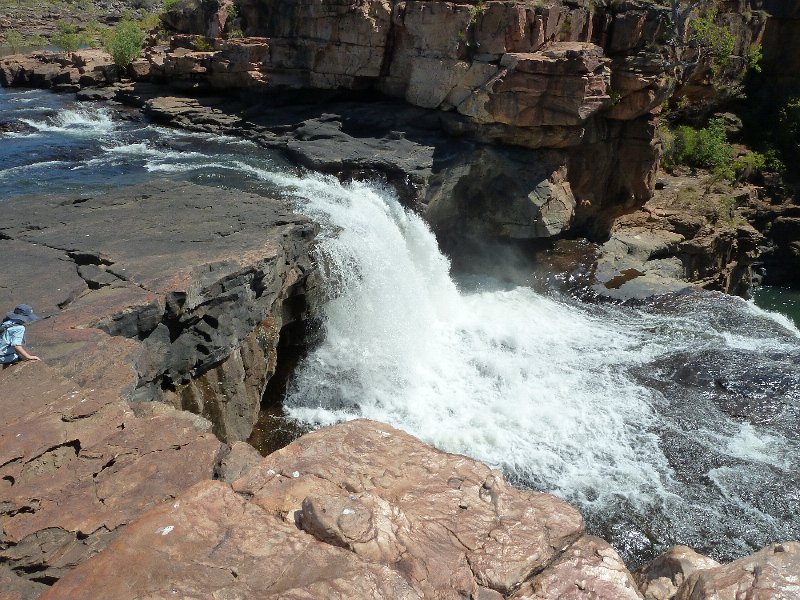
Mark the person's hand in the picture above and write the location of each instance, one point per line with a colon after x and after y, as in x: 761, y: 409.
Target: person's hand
x: 32, y: 357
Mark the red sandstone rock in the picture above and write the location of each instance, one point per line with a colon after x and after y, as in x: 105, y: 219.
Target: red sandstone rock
x: 771, y: 574
x: 590, y: 568
x: 212, y: 542
x: 77, y: 464
x: 424, y: 507
x: 661, y: 578
x: 374, y: 512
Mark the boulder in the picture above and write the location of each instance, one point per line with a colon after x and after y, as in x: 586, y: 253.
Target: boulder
x: 446, y: 521
x: 771, y: 574
x: 661, y: 578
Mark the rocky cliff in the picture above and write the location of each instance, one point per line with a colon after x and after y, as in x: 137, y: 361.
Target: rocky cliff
x: 574, y: 88
x: 533, y: 121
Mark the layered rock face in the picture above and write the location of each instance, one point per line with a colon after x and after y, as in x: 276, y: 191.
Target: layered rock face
x: 578, y: 84
x: 69, y: 72
x: 543, y: 77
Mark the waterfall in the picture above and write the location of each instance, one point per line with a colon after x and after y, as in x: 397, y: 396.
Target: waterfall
x: 544, y: 387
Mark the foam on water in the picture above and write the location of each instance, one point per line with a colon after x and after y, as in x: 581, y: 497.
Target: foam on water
x: 92, y: 122
x: 10, y: 171
x: 539, y: 386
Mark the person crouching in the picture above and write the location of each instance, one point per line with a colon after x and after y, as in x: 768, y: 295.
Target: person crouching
x: 12, y: 335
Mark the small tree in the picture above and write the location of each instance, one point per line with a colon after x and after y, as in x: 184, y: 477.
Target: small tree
x: 67, y: 39
x: 125, y: 43
x: 14, y: 40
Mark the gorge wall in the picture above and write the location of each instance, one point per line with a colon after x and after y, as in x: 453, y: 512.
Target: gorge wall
x: 498, y: 120
x: 554, y: 104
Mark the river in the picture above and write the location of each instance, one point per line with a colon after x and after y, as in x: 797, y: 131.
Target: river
x: 674, y: 421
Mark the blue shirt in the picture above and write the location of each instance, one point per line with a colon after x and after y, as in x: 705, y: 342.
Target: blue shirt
x: 11, y: 336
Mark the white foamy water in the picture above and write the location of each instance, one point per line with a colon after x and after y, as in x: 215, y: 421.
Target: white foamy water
x: 508, y: 376
x: 536, y: 385
x: 94, y: 122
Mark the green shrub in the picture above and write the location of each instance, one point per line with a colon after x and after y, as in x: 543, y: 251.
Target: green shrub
x: 718, y: 41
x: 750, y: 164
x: 125, y: 43
x: 66, y: 39
x: 789, y: 123
x: 170, y: 4
x: 14, y: 40
x: 707, y: 148
x: 150, y: 22
x: 201, y: 44
x: 754, y: 57
x: 36, y: 41
x: 774, y: 162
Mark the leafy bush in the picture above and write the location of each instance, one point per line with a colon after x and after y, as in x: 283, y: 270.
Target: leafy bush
x: 201, y: 44
x: 150, y: 22
x: 69, y: 38
x: 36, y: 41
x: 170, y: 4
x: 14, y: 40
x: 754, y: 57
x: 718, y: 41
x: 789, y: 124
x: 749, y: 165
x: 707, y: 148
x: 125, y: 42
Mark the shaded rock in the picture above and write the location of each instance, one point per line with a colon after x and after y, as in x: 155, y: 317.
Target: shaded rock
x: 13, y: 587
x: 661, y: 578
x: 590, y: 568
x: 770, y: 574
x: 499, y: 194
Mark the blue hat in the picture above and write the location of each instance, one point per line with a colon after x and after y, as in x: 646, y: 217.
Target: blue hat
x: 23, y: 313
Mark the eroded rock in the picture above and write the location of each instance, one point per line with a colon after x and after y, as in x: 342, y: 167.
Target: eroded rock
x: 374, y: 512
x: 771, y: 574
x: 590, y: 568
x: 661, y: 578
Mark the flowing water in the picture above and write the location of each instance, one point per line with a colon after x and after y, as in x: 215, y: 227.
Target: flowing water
x: 670, y: 422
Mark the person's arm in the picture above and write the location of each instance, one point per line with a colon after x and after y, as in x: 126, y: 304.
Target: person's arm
x: 24, y: 353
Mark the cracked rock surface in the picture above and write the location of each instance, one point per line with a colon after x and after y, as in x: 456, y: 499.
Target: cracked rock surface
x: 358, y: 510
x: 159, y: 291
x: 150, y: 292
